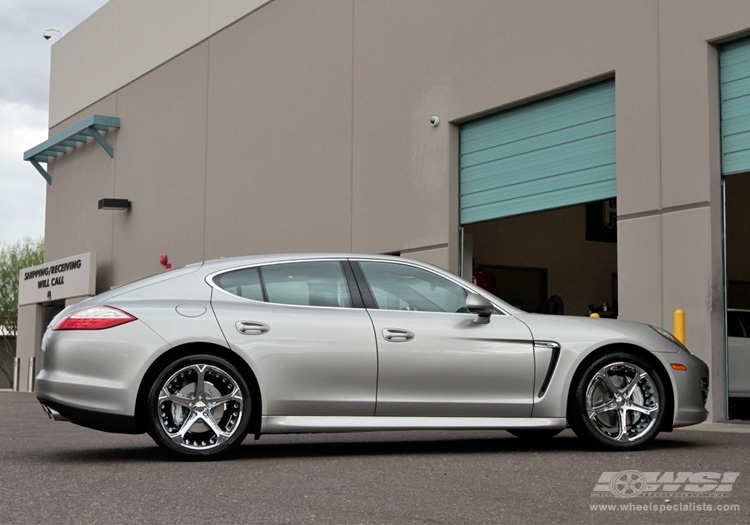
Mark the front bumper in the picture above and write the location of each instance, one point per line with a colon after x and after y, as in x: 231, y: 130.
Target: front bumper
x: 690, y: 387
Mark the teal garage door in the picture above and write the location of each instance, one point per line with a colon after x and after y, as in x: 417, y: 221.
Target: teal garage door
x: 555, y: 152
x: 735, y: 106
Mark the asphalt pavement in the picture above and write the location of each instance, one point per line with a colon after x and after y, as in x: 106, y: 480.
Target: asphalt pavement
x: 55, y: 472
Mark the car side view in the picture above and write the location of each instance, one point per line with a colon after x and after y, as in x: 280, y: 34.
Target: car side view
x: 201, y: 356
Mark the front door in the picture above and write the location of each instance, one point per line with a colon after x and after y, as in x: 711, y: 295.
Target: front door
x: 434, y: 360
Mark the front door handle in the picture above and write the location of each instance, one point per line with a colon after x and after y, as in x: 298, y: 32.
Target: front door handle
x: 251, y: 327
x: 397, y: 335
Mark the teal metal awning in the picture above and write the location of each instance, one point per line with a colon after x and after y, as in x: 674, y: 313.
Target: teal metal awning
x: 92, y: 126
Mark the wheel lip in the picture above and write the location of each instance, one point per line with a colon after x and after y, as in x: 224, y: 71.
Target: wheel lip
x: 649, y: 375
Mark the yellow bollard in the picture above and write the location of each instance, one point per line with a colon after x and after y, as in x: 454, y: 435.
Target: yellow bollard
x: 679, y: 325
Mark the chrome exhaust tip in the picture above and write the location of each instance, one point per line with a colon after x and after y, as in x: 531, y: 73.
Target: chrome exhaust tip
x: 53, y: 414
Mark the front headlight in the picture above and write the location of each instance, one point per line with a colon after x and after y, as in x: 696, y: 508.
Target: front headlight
x: 667, y: 335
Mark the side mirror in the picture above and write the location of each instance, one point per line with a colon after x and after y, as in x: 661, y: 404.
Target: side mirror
x: 480, y: 306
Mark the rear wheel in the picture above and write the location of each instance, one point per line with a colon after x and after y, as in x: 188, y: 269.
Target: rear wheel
x: 618, y: 402
x: 199, y: 407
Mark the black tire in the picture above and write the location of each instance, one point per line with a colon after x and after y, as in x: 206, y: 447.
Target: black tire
x: 535, y: 435
x: 617, y: 403
x: 199, y: 407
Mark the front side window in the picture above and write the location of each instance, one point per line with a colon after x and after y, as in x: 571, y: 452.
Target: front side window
x: 404, y: 287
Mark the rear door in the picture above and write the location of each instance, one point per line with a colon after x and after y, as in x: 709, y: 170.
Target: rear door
x: 310, y: 345
x: 434, y: 360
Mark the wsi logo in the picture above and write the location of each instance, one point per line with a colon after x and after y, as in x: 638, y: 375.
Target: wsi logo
x: 632, y: 483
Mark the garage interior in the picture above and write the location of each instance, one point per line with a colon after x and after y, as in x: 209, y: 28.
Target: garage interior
x: 561, y: 261
x: 737, y: 225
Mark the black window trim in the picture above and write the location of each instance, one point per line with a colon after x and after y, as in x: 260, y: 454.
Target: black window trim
x: 351, y: 281
x: 368, y: 298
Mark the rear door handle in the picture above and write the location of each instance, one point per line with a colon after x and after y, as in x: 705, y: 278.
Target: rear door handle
x: 251, y: 327
x: 397, y: 335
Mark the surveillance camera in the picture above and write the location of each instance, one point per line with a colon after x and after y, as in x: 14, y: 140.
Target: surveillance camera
x: 434, y: 121
x: 49, y: 32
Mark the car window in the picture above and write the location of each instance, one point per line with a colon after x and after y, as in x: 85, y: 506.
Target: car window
x: 310, y: 283
x: 244, y: 283
x: 404, y: 287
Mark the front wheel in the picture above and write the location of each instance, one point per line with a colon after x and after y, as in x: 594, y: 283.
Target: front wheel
x: 617, y: 403
x: 199, y: 407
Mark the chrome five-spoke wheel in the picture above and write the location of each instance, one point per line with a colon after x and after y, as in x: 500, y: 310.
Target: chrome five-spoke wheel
x: 199, y: 406
x: 618, y: 402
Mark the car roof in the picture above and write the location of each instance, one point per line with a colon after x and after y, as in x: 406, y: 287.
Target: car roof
x: 249, y: 260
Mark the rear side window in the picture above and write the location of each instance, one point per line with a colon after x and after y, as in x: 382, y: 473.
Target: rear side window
x: 314, y: 283
x: 243, y: 283
x: 309, y: 283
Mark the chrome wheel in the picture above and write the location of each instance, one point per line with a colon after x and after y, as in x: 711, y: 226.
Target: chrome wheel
x: 199, y: 406
x: 622, y: 402
x: 618, y: 402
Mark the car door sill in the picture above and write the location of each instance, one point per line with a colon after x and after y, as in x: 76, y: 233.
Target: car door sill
x: 303, y: 424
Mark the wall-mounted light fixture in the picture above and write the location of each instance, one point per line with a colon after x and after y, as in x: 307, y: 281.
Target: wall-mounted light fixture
x: 114, y: 204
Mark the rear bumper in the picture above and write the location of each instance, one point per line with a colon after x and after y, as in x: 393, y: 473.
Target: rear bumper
x: 92, y: 377
x: 89, y: 418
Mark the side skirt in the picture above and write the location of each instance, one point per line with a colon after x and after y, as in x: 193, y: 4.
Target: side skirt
x: 309, y: 424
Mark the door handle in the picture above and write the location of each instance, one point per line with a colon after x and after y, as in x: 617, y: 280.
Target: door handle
x: 397, y: 335
x: 251, y: 327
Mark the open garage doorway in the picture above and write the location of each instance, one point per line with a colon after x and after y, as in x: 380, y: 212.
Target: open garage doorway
x: 537, y: 186
x: 737, y: 226
x: 560, y: 261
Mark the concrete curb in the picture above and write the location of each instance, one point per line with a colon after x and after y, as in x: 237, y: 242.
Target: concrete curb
x: 741, y: 427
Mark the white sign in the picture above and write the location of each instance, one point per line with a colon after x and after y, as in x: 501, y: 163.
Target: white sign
x: 70, y: 277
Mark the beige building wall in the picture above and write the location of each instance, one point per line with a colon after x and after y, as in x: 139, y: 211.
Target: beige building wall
x: 124, y: 40
x: 305, y: 126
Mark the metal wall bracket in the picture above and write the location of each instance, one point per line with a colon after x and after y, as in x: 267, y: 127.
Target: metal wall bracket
x: 92, y: 126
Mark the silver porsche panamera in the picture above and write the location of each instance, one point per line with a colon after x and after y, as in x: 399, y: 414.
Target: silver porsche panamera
x: 202, y: 356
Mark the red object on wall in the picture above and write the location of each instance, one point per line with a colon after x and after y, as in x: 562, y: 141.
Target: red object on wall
x: 164, y: 261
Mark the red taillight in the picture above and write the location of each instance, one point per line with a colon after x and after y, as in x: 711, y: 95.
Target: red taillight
x: 94, y: 318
